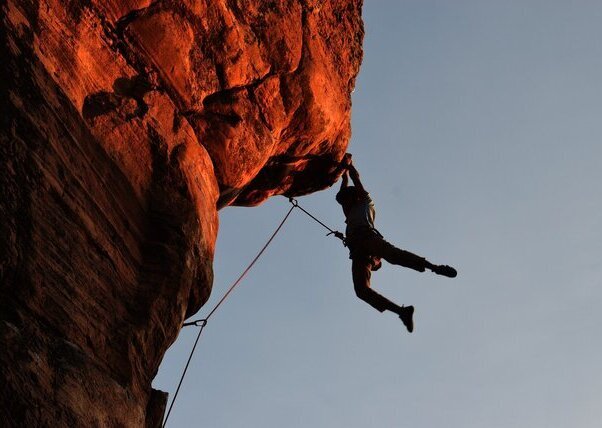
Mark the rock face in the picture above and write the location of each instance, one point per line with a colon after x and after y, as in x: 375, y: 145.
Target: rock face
x: 125, y: 126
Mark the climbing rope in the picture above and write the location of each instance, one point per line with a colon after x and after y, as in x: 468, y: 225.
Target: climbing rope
x: 202, y: 323
x: 336, y: 233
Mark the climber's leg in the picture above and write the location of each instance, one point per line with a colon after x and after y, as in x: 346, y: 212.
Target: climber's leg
x: 361, y: 268
x: 377, y: 246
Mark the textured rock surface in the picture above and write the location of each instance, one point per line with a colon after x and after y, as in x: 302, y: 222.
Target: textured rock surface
x: 125, y: 126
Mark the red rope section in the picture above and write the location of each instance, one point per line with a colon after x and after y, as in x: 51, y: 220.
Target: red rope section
x: 203, y: 322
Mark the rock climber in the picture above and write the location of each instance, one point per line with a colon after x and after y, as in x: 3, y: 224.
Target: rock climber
x: 367, y: 246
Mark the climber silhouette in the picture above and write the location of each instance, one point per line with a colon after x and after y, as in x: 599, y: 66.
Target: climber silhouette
x: 367, y: 246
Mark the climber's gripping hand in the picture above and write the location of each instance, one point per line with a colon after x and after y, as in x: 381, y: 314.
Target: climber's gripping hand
x: 346, y: 162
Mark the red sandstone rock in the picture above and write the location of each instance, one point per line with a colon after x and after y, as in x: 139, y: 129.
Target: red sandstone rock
x: 125, y: 125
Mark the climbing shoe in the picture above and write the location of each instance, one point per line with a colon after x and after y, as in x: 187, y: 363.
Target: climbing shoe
x: 406, y: 314
x: 445, y: 271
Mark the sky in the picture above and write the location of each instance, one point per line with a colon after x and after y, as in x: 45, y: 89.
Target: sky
x: 476, y: 128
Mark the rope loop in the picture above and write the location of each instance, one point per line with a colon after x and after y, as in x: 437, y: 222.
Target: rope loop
x: 203, y: 322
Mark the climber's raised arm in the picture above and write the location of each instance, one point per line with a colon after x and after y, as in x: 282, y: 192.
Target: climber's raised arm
x: 345, y: 179
x: 345, y: 162
x: 355, y: 177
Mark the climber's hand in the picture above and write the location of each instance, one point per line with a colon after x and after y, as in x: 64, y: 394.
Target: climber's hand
x: 346, y: 161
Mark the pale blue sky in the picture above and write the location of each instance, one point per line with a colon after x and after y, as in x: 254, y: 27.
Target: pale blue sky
x: 477, y: 129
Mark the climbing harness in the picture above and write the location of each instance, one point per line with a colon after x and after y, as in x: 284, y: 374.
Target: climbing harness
x: 202, y: 323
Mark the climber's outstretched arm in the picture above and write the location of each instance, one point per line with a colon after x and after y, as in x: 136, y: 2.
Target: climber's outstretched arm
x: 345, y: 162
x: 345, y: 180
x: 355, y: 177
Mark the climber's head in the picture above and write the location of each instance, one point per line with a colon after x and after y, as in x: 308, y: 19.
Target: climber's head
x: 347, y: 196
